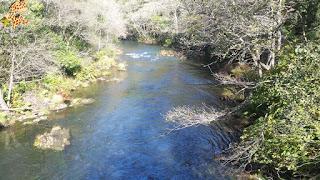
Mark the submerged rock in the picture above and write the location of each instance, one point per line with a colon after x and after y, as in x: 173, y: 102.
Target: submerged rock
x: 40, y: 118
x: 101, y: 79
x: 87, y: 101
x: 26, y: 117
x: 169, y: 53
x: 58, y: 107
x: 117, y: 80
x: 57, y: 139
x: 80, y: 101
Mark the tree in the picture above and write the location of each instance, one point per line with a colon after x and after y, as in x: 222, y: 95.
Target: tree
x: 152, y: 18
x: 3, y: 104
x: 91, y: 21
x: 246, y: 31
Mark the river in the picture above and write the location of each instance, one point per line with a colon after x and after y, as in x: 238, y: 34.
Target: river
x: 120, y: 136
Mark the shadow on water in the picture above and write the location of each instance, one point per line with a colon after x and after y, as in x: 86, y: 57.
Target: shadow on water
x: 119, y: 136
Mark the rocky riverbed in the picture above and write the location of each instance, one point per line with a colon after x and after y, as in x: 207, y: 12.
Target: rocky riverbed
x: 57, y: 139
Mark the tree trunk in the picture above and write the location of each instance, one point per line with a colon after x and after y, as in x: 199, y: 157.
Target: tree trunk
x: 99, y: 41
x: 272, y: 55
x: 11, y: 80
x: 279, y: 45
x: 176, y: 22
x: 256, y: 59
x: 3, y: 104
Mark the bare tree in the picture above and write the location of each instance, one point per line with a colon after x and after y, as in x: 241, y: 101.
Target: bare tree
x: 150, y: 18
x: 94, y: 21
x: 25, y: 57
x: 3, y: 105
x: 242, y: 30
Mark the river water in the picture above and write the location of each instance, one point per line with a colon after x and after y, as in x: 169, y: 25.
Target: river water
x: 121, y: 135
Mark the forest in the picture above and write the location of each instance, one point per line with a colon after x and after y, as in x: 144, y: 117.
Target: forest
x: 267, y: 50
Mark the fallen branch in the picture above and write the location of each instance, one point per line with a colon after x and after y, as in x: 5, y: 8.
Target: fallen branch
x: 192, y: 116
x: 17, y: 109
x: 227, y: 80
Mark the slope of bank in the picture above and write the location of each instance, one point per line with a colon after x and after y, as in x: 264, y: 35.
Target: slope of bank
x: 50, y: 51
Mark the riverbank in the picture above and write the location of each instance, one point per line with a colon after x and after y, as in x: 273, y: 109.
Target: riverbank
x: 57, y: 50
x: 33, y: 101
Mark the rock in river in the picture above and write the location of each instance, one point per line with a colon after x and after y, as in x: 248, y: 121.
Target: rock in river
x: 80, y: 101
x: 122, y: 67
x: 57, y: 139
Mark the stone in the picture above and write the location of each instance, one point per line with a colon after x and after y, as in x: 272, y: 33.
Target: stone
x: 57, y: 139
x: 169, y: 53
x: 117, y: 80
x: 85, y: 84
x: 57, y: 99
x: 122, y: 67
x: 101, y: 79
x: 87, y: 101
x: 59, y: 107
x: 27, y: 117
x: 79, y: 102
x: 41, y: 118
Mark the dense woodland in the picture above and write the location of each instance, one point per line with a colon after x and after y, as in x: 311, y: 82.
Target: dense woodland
x: 274, y: 45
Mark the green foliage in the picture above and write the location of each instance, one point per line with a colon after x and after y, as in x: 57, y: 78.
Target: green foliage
x: 23, y: 86
x: 244, y: 71
x: 57, y: 82
x: 97, y: 69
x: 80, y: 44
x: 287, y: 106
x: 18, y: 91
x: 305, y: 22
x: 3, y: 118
x: 37, y: 8
x: 228, y: 93
x: 168, y: 42
x: 160, y: 22
x: 70, y: 62
x: 106, y: 52
x: 103, y: 61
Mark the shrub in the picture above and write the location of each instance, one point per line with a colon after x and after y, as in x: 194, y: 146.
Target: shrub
x: 168, y: 42
x: 99, y: 55
x: 70, y: 63
x: 23, y: 87
x: 287, y: 105
x: 96, y: 69
x: 3, y: 118
x: 56, y: 82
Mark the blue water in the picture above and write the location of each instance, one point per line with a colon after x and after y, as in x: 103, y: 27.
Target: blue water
x: 123, y: 134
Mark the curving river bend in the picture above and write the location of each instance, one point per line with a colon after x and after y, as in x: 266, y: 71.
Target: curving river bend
x: 119, y: 137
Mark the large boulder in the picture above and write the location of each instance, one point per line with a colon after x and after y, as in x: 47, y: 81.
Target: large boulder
x: 57, y: 139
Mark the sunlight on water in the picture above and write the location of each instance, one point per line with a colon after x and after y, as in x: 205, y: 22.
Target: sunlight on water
x: 120, y: 136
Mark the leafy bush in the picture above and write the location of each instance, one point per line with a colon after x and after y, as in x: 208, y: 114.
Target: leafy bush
x: 56, y: 82
x: 70, y: 63
x: 3, y: 118
x: 160, y: 22
x: 96, y: 69
x: 37, y: 8
x: 99, y: 55
x: 287, y: 104
x: 168, y: 42
x: 18, y: 91
x: 23, y: 87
